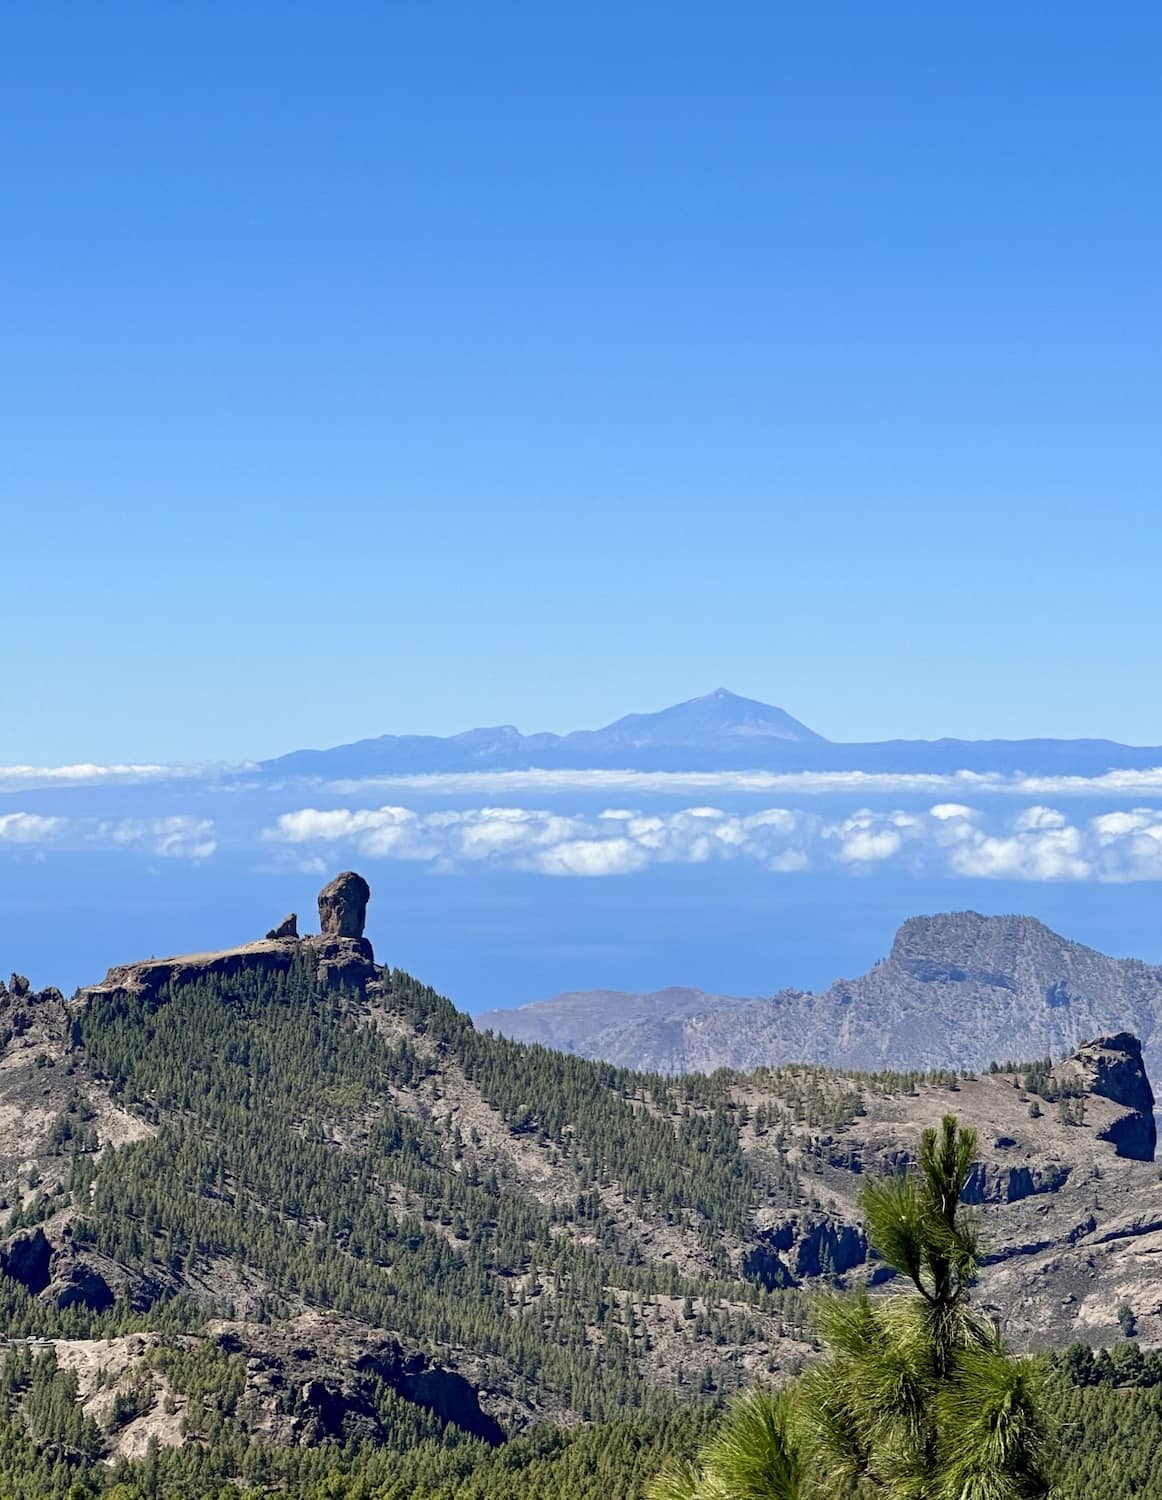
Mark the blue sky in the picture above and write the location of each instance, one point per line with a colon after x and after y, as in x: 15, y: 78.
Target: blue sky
x: 403, y: 367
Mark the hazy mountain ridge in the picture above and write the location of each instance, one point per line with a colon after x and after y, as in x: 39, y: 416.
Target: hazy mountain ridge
x: 718, y: 731
x: 958, y: 989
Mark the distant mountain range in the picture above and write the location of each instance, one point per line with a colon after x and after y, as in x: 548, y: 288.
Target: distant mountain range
x: 957, y: 990
x: 720, y: 731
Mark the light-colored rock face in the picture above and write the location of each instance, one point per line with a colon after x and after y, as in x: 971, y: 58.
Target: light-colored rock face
x: 957, y: 990
x: 343, y: 906
x: 1069, y: 1229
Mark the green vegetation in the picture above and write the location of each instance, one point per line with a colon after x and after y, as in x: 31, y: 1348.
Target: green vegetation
x: 917, y: 1398
x: 313, y: 1148
x: 283, y: 1146
x: 1108, y: 1444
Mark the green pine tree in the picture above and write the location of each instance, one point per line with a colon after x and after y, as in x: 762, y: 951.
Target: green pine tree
x: 917, y: 1399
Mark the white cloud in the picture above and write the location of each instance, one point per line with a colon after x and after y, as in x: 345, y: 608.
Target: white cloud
x: 616, y: 856
x: 170, y: 838
x: 869, y: 837
x: 953, y: 784
x: 863, y: 845
x: 613, y: 841
x: 1146, y: 783
x: 26, y: 778
x: 30, y: 828
x: 1129, y: 844
x: 1038, y: 843
x: 1034, y: 819
x: 952, y: 811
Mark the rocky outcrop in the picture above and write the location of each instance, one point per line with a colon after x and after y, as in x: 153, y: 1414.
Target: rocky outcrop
x: 151, y: 977
x: 1111, y: 1068
x: 52, y: 1270
x: 80, y: 1285
x: 343, y: 955
x: 343, y: 906
x: 804, y: 1245
x: 445, y: 1392
x: 337, y: 1370
x: 26, y: 1258
x: 992, y: 1183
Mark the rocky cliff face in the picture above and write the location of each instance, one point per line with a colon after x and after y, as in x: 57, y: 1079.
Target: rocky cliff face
x: 957, y: 990
x: 1111, y: 1068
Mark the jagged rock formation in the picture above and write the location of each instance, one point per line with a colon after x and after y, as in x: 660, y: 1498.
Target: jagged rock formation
x: 1111, y: 1068
x: 343, y: 954
x: 798, y: 1247
x: 343, y: 906
x: 957, y: 990
x: 310, y: 1379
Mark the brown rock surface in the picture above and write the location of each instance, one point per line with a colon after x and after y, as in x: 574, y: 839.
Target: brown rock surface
x: 343, y: 906
x: 1111, y: 1068
x: 344, y: 954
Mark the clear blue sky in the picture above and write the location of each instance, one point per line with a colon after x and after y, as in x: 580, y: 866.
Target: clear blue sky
x: 406, y: 366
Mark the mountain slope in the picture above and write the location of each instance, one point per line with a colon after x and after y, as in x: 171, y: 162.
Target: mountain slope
x: 957, y: 990
x: 289, y: 1175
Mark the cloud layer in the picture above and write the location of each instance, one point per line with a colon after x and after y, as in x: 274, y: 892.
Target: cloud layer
x: 25, y: 778
x: 947, y: 839
x: 176, y: 837
x: 1040, y: 842
x: 1145, y: 784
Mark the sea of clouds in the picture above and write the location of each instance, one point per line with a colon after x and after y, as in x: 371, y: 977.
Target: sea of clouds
x: 964, y: 824
x: 947, y: 838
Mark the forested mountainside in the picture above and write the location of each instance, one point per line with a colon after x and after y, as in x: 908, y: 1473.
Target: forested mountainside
x: 274, y: 1205
x: 956, y: 990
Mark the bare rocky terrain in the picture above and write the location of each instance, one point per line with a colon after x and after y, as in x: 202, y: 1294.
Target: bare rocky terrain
x: 957, y: 990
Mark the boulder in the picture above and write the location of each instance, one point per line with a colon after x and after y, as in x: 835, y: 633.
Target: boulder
x: 343, y: 906
x: 287, y: 928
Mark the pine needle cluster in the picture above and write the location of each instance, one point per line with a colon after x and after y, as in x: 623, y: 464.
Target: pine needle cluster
x: 917, y: 1397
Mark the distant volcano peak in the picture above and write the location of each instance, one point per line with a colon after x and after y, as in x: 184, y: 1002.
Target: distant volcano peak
x: 700, y: 721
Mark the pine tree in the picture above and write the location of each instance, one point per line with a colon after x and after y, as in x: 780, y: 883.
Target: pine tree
x: 917, y: 1399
